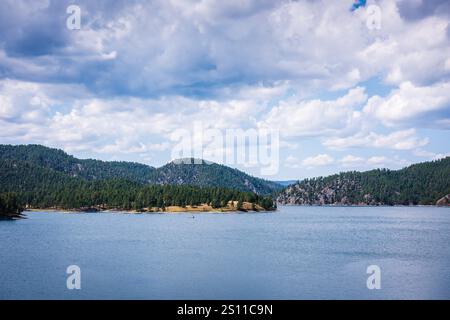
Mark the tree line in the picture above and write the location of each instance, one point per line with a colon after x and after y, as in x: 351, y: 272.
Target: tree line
x: 418, y: 184
x: 40, y: 187
x: 204, y: 174
x: 9, y: 205
x: 127, y: 195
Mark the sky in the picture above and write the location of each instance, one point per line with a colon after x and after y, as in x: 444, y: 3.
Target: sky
x: 343, y: 89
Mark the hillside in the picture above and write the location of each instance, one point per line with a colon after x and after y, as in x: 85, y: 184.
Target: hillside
x: 42, y: 187
x: 423, y: 183
x: 202, y: 175
x: 60, y: 161
x: 207, y: 174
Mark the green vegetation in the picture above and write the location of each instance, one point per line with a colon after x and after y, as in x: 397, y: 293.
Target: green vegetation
x: 41, y: 177
x: 41, y: 186
x: 126, y: 195
x: 202, y: 175
x: 9, y: 206
x: 213, y: 175
x: 59, y: 161
x: 422, y: 183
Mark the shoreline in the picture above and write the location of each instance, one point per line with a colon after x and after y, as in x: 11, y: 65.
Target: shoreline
x: 246, y: 208
x: 178, y: 209
x: 362, y: 205
x: 74, y: 211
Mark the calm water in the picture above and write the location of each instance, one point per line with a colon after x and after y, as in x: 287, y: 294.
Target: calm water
x: 295, y: 253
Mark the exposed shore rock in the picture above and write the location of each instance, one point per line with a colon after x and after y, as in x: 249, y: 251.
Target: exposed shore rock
x: 232, y: 206
x: 444, y: 201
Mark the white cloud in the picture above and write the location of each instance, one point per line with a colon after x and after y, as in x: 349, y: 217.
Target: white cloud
x: 377, y: 160
x: 292, y: 162
x: 351, y: 79
x: 410, y: 103
x: 413, y: 51
x: 316, y: 117
x: 143, y: 126
x: 385, y: 162
x: 218, y: 44
x: 125, y: 125
x: 318, y: 160
x: 23, y: 101
x: 352, y: 161
x: 430, y: 155
x: 228, y: 64
x: 398, y: 140
x: 361, y: 163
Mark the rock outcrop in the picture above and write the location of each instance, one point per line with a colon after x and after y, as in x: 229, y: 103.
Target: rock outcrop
x: 444, y: 201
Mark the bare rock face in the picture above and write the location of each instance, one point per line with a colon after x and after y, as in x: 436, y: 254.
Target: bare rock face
x: 444, y: 201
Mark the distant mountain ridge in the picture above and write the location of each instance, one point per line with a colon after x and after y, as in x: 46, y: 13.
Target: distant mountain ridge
x: 419, y: 184
x: 286, y: 183
x: 55, y: 162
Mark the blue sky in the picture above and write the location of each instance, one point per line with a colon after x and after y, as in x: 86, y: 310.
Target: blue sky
x: 343, y: 96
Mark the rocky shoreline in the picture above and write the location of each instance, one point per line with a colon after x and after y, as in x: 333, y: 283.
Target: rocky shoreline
x: 358, y: 205
x: 299, y: 201
x: 231, y: 208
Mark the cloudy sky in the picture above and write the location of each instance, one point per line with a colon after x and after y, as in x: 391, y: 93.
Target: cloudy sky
x: 343, y: 94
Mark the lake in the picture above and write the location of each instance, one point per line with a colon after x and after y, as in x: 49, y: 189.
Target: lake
x: 294, y: 253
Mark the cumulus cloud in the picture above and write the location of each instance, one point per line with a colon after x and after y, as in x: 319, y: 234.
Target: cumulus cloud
x: 384, y: 162
x: 405, y: 50
x: 194, y: 48
x: 352, y: 161
x: 398, y: 140
x: 316, y: 117
x: 121, y: 125
x: 430, y: 155
x: 292, y: 162
x: 23, y: 102
x: 318, y: 160
x: 412, y: 104
x: 137, y: 71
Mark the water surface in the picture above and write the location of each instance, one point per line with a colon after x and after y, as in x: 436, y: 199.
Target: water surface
x: 294, y: 253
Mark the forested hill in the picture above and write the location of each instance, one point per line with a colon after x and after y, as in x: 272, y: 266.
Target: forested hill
x: 60, y: 161
x: 212, y: 174
x: 423, y: 183
x: 202, y: 175
x: 41, y: 187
